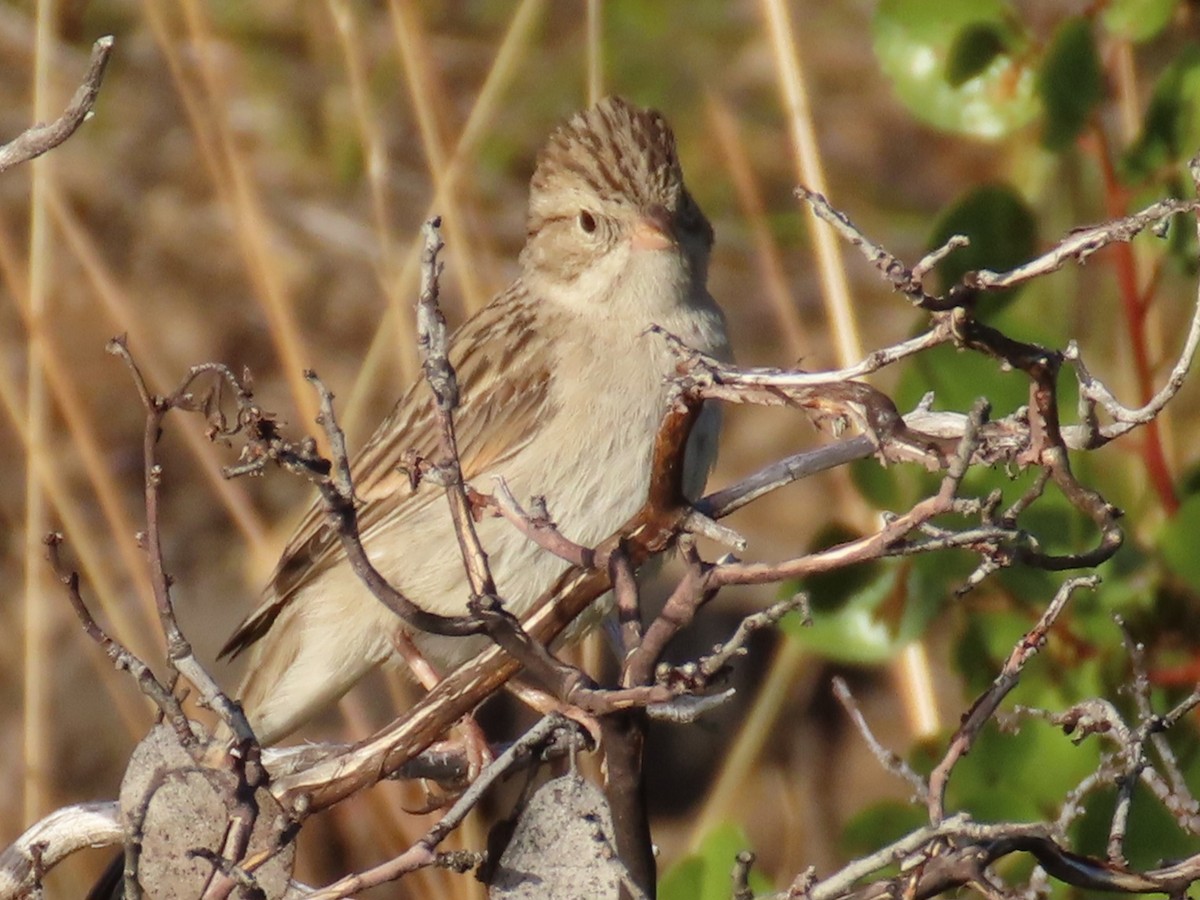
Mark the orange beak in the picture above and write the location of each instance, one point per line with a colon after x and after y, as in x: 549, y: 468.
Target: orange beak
x: 653, y: 231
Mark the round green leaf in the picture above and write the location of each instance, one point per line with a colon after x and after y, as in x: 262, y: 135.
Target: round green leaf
x: 853, y: 633
x: 1070, y: 83
x: 986, y: 642
x: 1153, y: 833
x: 1171, y: 130
x: 1179, y: 542
x: 1138, y: 20
x: 958, y: 66
x: 704, y: 875
x: 957, y: 378
x: 1019, y: 776
x: 891, y: 487
x: 879, y: 825
x: 867, y: 624
x: 975, y: 48
x: 1001, y: 227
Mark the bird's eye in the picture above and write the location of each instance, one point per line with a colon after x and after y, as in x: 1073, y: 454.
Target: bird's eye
x: 587, y: 222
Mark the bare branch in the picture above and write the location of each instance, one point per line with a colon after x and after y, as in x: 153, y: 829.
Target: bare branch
x: 986, y: 705
x: 538, y: 527
x: 179, y: 650
x: 434, y: 343
x: 121, y: 656
x: 650, y: 532
x: 38, y: 139
x: 1126, y: 419
x: 1081, y: 243
x: 907, y: 281
x: 52, y: 840
x: 421, y: 854
x: 890, y: 761
x: 763, y: 377
x: 337, y: 492
x: 953, y: 851
x: 723, y: 654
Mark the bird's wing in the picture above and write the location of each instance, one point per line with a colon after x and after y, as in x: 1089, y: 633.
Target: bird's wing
x: 503, y: 372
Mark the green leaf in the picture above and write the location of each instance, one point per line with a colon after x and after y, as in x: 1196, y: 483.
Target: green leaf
x: 879, y: 825
x: 1152, y: 835
x: 706, y: 875
x: 1002, y: 229
x: 869, y: 622
x: 975, y: 48
x: 894, y: 487
x: 1188, y: 482
x: 1019, y: 776
x: 1070, y: 83
x: 854, y: 632
x: 932, y: 583
x: 1137, y: 20
x: 958, y: 66
x: 1171, y: 130
x: 1124, y: 589
x: 986, y: 642
x: 957, y: 378
x: 1179, y: 542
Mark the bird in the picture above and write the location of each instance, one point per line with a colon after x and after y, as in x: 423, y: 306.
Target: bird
x: 563, y: 386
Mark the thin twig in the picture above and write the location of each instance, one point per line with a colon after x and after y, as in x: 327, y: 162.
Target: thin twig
x: 538, y: 527
x: 122, y: 658
x: 433, y: 339
x: 179, y: 650
x: 890, y: 760
x: 38, y: 139
x: 337, y: 492
x: 422, y: 853
x: 986, y: 705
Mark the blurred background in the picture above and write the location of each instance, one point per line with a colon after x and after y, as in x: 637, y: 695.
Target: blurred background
x: 250, y: 191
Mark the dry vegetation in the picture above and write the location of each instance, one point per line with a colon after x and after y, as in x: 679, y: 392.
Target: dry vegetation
x: 251, y: 190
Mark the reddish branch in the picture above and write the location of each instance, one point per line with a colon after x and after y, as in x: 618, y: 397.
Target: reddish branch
x: 1135, y: 307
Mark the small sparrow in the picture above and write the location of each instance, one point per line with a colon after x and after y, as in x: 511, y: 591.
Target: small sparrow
x: 562, y: 392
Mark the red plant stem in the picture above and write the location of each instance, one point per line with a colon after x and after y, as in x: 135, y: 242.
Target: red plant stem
x: 1135, y: 307
x: 1184, y: 675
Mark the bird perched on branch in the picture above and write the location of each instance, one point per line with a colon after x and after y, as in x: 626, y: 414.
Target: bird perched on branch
x: 562, y: 392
